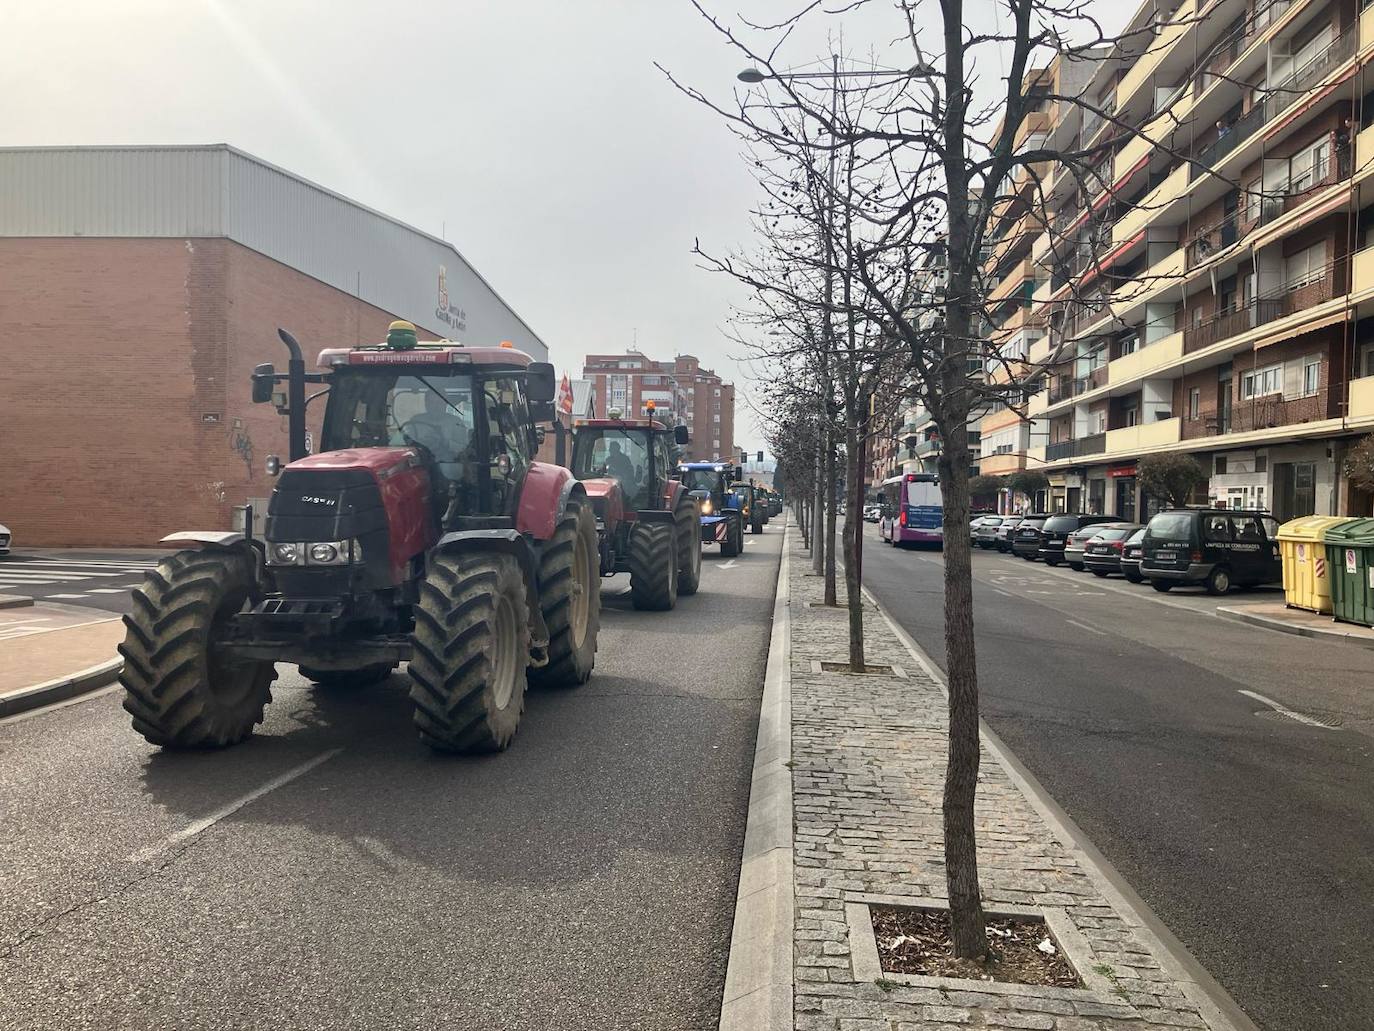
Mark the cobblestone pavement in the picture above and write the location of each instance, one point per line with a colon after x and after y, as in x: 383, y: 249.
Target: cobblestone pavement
x: 868, y: 757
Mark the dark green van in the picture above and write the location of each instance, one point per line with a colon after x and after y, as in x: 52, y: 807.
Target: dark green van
x: 1213, y: 547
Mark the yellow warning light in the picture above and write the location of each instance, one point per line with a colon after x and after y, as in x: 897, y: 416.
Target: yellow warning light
x: 507, y: 343
x: 649, y: 405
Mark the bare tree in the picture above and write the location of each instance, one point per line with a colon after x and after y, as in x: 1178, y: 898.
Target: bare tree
x: 942, y: 163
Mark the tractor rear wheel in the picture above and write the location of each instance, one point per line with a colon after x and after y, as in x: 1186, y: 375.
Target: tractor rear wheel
x: 688, y: 547
x: 470, y: 649
x: 343, y: 679
x: 653, y: 566
x: 756, y: 523
x: 179, y: 691
x: 734, y: 538
x: 570, y: 598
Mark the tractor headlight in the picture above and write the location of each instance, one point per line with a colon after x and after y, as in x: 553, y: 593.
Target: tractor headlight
x: 285, y: 554
x: 314, y: 553
x: 706, y: 506
x: 324, y: 553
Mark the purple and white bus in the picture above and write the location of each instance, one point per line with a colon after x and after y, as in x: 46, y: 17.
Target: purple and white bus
x: 912, y: 510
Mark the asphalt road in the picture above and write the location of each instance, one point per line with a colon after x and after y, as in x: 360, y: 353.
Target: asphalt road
x: 87, y: 578
x: 583, y: 879
x: 1247, y: 832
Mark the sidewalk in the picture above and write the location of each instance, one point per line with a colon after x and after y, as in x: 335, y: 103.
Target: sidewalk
x: 52, y: 652
x: 1278, y: 616
x: 866, y: 756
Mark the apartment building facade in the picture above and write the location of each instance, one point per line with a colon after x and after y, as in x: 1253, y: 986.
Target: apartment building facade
x: 1216, y: 295
x: 681, y: 390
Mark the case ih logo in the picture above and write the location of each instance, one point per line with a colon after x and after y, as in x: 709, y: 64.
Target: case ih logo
x: 318, y: 501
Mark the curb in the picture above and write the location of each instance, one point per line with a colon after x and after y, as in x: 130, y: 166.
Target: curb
x: 15, y: 601
x: 759, y: 976
x: 1213, y: 1001
x: 61, y: 689
x: 1284, y: 627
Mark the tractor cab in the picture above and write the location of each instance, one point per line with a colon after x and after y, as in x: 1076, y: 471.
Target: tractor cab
x: 722, y: 517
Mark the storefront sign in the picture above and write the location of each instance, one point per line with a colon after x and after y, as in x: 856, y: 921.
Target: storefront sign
x: 1116, y: 471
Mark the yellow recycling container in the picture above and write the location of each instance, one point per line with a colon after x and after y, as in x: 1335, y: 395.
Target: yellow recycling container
x: 1302, y: 542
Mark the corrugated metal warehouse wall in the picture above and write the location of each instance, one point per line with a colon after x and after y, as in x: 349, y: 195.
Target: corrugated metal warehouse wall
x: 217, y: 191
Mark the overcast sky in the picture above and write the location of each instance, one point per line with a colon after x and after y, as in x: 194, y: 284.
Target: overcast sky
x: 537, y: 136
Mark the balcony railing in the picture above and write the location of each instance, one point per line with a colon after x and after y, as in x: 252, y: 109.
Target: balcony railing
x: 1278, y: 98
x: 1277, y: 200
x: 1095, y: 444
x: 1261, y: 413
x: 1292, y: 297
x: 1225, y: 51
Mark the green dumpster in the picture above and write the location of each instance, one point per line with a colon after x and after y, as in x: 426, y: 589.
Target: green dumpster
x: 1305, y: 581
x: 1350, y: 555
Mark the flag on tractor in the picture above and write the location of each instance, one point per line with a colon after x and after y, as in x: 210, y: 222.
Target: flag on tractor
x: 565, y: 396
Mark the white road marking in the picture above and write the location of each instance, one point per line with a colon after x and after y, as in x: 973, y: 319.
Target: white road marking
x: 47, y: 576
x: 108, y: 590
x: 727, y: 565
x: 64, y: 597
x: 205, y: 823
x: 1308, y: 720
x: 1005, y: 594
x: 1084, y: 626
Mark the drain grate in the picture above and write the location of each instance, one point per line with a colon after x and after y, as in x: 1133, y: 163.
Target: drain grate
x: 1309, y: 718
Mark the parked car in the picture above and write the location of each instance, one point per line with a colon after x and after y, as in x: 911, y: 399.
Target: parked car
x: 1055, y: 534
x: 1026, y: 540
x: 1131, y: 555
x: 1005, y: 529
x: 975, y: 524
x: 872, y: 513
x: 1074, y: 544
x: 985, y: 536
x: 5, y: 537
x: 1102, y: 556
x: 1212, y: 547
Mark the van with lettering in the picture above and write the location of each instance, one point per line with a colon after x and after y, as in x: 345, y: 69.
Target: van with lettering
x: 1216, y: 548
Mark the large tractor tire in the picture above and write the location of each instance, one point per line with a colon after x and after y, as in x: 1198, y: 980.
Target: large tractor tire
x: 688, y: 547
x: 470, y: 651
x: 178, y: 692
x: 755, y: 521
x: 345, y: 679
x: 734, y: 538
x: 653, y: 566
x: 570, y: 597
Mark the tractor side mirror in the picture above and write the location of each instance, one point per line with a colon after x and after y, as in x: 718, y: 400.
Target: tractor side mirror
x: 541, y: 385
x: 264, y: 379
x: 681, y: 434
x: 542, y: 411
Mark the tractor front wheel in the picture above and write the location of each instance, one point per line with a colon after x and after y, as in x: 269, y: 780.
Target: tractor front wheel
x: 470, y: 650
x: 344, y: 679
x: 734, y: 539
x: 570, y: 598
x: 688, y: 547
x: 653, y: 566
x: 179, y: 690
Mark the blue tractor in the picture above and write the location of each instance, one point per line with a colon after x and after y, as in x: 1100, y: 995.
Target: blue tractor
x: 722, y: 506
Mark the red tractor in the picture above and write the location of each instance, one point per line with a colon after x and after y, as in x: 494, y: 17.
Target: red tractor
x: 647, y: 521
x: 422, y: 532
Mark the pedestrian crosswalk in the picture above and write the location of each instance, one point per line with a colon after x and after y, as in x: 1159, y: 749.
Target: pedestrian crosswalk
x: 75, y: 579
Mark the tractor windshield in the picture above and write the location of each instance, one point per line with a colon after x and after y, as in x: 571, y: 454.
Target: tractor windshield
x: 622, y: 455
x: 381, y: 407
x: 701, y: 479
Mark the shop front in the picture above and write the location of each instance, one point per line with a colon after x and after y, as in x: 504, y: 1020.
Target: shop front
x: 1124, y: 490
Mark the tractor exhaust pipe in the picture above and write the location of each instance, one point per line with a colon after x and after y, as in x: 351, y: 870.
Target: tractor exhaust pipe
x: 295, y: 396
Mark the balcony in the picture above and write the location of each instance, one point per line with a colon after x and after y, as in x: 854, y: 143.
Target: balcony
x: 1146, y: 436
x: 1012, y: 281
x: 1144, y: 67
x: 1134, y: 365
x: 1288, y: 299
x: 1059, y: 451
x: 1278, y: 98
x: 1361, y: 404
x: 1262, y: 413
x: 1277, y: 201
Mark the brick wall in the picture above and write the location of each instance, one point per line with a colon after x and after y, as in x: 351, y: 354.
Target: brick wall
x: 124, y: 407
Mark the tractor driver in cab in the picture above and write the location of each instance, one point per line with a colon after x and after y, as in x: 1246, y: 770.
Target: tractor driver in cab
x: 444, y: 429
x: 618, y: 464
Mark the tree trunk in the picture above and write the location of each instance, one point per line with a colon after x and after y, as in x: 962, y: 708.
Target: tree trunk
x: 853, y: 523
x: 801, y: 506
x: 828, y: 484
x: 818, y: 511
x: 961, y: 772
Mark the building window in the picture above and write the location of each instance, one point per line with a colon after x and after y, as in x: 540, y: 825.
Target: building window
x: 1305, y: 266
x: 1261, y: 466
x: 1220, y: 465
x: 1195, y: 403
x: 1261, y: 382
x: 1311, y: 376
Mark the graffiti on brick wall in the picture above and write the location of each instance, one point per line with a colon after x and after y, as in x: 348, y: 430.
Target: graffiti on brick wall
x: 241, y: 443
